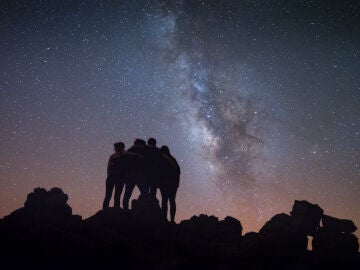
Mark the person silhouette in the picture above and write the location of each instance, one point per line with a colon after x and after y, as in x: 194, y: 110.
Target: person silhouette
x: 136, y: 171
x: 169, y: 183
x: 113, y: 178
x: 153, y: 162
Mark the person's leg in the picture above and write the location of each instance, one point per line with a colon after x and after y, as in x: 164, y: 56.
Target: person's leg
x: 108, y: 193
x: 164, y: 203
x: 152, y: 184
x: 129, y: 187
x: 141, y: 183
x: 172, y: 206
x: 118, y: 190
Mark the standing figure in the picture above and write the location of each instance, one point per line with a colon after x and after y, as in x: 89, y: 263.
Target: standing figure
x: 135, y: 171
x: 169, y: 182
x: 114, y: 176
x: 153, y: 162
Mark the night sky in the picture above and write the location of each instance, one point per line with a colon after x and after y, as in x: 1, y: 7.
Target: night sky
x: 259, y: 101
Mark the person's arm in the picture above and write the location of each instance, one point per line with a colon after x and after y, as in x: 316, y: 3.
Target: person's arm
x: 177, y: 165
x: 109, y: 164
x: 170, y: 160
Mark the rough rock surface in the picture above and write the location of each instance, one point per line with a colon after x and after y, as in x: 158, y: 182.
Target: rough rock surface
x: 45, y: 235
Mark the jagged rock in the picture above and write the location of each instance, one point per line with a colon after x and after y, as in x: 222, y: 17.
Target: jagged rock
x: 231, y: 226
x: 334, y: 250
x: 281, y: 237
x: 278, y: 223
x: 251, y: 240
x: 36, y: 198
x: 306, y: 217
x: 37, y: 237
x: 338, y: 225
x: 107, y: 224
x: 146, y: 209
x: 202, y: 219
x: 209, y: 223
x: 57, y: 197
x: 45, y: 208
x: 205, y: 228
x: 198, y: 230
x: 41, y: 198
x: 110, y: 217
x: 335, y: 243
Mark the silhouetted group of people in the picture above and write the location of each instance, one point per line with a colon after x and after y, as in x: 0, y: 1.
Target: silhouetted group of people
x: 146, y: 166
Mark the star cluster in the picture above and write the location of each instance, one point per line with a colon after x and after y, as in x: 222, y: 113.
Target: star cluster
x: 258, y: 100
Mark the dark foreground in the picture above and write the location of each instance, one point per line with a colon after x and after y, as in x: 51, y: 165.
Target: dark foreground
x: 45, y: 235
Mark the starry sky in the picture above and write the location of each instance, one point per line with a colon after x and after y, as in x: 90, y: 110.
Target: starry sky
x: 259, y: 101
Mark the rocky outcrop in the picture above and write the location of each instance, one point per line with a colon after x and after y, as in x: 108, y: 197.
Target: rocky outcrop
x: 46, y: 208
x: 305, y: 217
x: 146, y: 209
x: 205, y: 226
x: 335, y: 240
x: 338, y: 225
x: 44, y: 234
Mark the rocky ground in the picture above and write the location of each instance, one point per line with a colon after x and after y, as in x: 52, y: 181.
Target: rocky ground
x: 44, y: 234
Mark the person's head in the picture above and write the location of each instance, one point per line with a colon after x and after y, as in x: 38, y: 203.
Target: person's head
x: 119, y: 146
x: 165, y: 149
x: 151, y: 142
x: 139, y: 142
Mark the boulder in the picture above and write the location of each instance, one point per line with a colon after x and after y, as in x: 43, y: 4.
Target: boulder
x: 327, y: 242
x: 306, y: 217
x: 209, y: 223
x: 45, y: 208
x: 209, y: 228
x: 146, y: 209
x: 281, y: 238
x: 231, y: 226
x: 37, y: 198
x: 278, y: 223
x: 338, y: 225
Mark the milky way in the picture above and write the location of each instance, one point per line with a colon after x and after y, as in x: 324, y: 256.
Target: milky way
x: 258, y: 100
